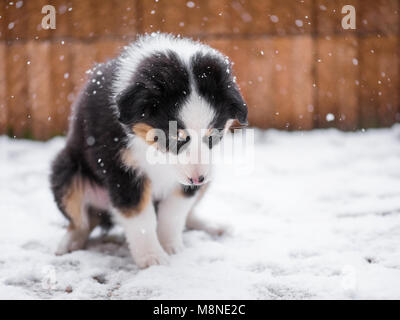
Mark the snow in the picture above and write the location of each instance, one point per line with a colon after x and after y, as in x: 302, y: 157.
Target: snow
x: 274, y: 18
x: 319, y: 217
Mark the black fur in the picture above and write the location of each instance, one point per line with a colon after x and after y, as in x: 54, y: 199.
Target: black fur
x: 214, y: 81
x: 92, y: 152
x: 160, y: 86
x: 190, y: 191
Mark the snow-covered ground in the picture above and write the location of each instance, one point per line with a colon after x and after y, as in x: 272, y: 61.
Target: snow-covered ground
x: 318, y: 218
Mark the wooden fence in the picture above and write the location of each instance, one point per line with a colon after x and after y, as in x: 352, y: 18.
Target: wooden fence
x: 296, y: 66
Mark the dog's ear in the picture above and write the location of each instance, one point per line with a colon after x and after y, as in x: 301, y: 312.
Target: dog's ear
x: 130, y: 103
x: 239, y: 107
x: 215, y: 81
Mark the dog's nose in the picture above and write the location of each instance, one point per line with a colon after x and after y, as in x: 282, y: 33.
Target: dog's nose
x: 197, y: 181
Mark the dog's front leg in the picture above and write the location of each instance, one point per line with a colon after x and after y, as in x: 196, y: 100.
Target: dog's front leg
x: 140, y: 229
x: 133, y: 208
x: 172, y: 214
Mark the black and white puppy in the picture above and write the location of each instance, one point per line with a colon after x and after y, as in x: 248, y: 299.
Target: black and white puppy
x: 126, y: 110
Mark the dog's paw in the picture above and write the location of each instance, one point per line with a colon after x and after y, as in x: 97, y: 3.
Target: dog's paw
x: 173, y: 248
x: 151, y: 259
x: 213, y: 229
x: 217, y: 230
x: 71, y: 242
x: 65, y: 248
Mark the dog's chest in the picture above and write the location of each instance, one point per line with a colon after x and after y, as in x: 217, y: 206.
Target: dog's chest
x: 163, y: 181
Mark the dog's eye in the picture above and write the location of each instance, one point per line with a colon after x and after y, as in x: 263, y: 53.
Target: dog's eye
x: 212, y: 137
x: 181, y: 137
x: 179, y: 142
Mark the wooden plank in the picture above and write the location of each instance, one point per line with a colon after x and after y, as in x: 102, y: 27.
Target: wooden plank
x: 106, y: 18
x: 292, y: 83
x: 127, y: 17
x: 83, y: 18
x: 275, y: 78
x: 3, y: 21
x: 3, y: 89
x: 39, y: 89
x: 108, y: 49
x: 253, y: 68
x: 184, y: 17
x: 174, y: 17
x: 248, y: 17
x: 338, y: 69
x: 81, y: 63
x: 17, y: 90
x: 301, y: 87
x: 116, y: 18
x: 216, y: 16
x: 33, y: 11
x: 388, y: 87
x: 281, y: 82
x: 271, y: 17
x: 16, y: 20
x: 226, y: 17
x: 294, y: 17
x: 62, y: 86
x: 329, y: 16
x: 188, y: 18
x: 379, y: 16
x: 379, y: 94
x: 153, y: 16
x: 64, y: 19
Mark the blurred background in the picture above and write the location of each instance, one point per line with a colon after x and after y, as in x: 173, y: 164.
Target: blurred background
x: 296, y: 66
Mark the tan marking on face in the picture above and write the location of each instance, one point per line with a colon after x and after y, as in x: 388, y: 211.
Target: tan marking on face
x: 212, y: 131
x: 227, y: 126
x: 73, y: 203
x: 144, y: 131
x: 182, y: 135
x: 209, y: 132
x: 143, y: 203
x: 128, y: 159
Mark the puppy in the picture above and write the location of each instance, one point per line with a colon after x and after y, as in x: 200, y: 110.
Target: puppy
x: 163, y: 96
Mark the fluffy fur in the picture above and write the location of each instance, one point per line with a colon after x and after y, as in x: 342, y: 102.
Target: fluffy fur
x: 122, y: 114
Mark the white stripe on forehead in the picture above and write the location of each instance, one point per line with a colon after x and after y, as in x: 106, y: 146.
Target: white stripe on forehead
x: 196, y: 113
x: 147, y: 45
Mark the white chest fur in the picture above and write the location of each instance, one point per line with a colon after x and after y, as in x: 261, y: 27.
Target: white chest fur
x: 162, y: 175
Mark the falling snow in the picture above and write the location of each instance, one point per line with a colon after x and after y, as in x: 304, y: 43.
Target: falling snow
x: 274, y: 19
x: 299, y: 23
x: 330, y: 117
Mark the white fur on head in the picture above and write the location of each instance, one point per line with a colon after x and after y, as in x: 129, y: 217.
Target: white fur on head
x: 196, y: 113
x: 149, y: 44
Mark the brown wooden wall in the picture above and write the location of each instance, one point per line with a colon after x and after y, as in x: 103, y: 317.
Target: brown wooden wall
x: 294, y: 62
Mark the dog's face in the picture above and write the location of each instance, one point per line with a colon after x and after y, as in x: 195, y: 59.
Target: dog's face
x: 183, y: 110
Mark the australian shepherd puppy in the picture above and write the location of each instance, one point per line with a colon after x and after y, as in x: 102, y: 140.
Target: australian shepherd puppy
x: 163, y: 95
